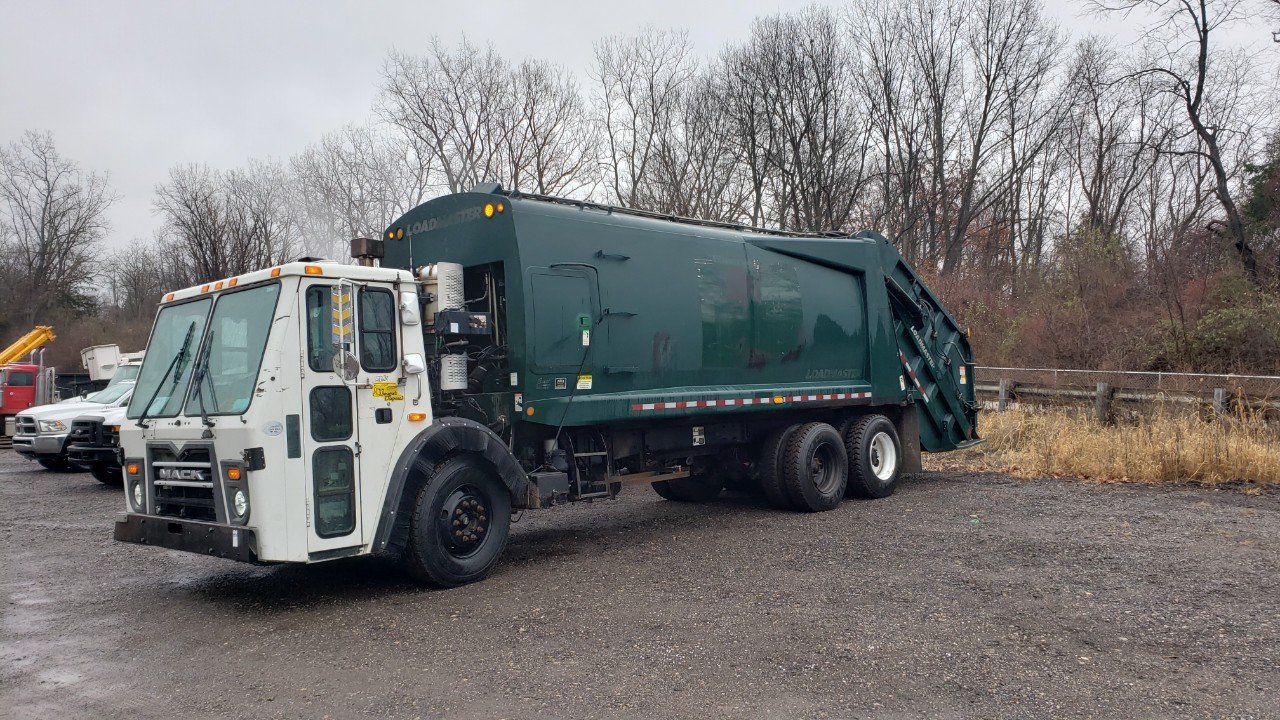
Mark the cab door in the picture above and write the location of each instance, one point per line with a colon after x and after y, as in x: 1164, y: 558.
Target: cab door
x: 330, y: 435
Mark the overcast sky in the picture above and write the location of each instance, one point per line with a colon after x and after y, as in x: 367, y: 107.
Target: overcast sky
x: 135, y: 88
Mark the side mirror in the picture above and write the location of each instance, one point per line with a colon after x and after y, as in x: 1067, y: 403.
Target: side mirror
x: 410, y: 312
x: 414, y: 364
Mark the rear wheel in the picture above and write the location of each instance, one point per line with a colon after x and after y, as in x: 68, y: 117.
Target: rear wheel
x: 771, y: 459
x: 875, y: 457
x: 815, y: 469
x: 460, y: 525
x: 107, y: 474
x: 56, y: 463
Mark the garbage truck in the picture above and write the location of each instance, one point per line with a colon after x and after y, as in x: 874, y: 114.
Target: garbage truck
x: 495, y: 352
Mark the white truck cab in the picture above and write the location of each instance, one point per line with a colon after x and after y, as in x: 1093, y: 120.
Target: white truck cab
x: 254, y: 426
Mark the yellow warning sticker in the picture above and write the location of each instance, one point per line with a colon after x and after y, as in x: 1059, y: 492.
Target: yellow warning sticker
x: 387, y: 390
x: 584, y: 382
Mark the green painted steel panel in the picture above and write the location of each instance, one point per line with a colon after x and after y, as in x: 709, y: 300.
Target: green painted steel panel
x: 697, y: 319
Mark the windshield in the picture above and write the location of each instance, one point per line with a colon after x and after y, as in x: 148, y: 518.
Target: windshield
x: 124, y: 373
x: 178, y: 328
x: 111, y: 393
x: 237, y: 336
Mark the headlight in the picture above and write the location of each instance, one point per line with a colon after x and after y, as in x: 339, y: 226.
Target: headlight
x: 52, y: 426
x: 240, y: 502
x: 137, y: 496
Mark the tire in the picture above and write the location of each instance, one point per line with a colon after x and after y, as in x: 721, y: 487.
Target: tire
x: 875, y: 457
x: 107, y: 474
x: 700, y: 488
x: 815, y: 468
x: 770, y: 465
x: 56, y: 463
x: 462, y: 494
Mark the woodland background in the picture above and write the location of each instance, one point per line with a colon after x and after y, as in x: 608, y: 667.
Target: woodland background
x: 1079, y: 202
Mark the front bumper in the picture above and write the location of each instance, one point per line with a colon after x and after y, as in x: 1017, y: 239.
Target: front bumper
x: 92, y: 455
x: 224, y: 541
x: 33, y: 445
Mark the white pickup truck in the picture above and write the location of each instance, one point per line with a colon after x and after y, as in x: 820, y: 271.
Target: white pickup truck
x: 42, y: 432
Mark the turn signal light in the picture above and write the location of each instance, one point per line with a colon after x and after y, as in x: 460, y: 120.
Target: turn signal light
x: 233, y: 473
x: 417, y: 417
x: 132, y: 468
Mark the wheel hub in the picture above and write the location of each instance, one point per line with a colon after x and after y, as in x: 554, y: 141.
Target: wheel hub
x: 464, y: 521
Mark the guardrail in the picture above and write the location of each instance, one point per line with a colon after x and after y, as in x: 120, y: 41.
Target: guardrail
x: 1104, y: 388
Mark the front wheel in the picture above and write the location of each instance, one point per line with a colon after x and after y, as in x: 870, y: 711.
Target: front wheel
x: 460, y: 525
x: 107, y: 474
x: 875, y: 457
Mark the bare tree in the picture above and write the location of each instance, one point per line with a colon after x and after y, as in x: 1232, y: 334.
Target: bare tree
x: 457, y: 106
x: 354, y: 182
x: 52, y: 219
x: 639, y: 84
x: 227, y: 223
x: 551, y: 148
x: 1181, y: 53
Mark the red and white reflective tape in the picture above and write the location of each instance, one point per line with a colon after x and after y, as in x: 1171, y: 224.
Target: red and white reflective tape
x: 912, y: 374
x: 737, y: 402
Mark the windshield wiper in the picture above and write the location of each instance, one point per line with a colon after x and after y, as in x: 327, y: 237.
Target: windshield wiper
x: 201, y: 373
x: 177, y: 359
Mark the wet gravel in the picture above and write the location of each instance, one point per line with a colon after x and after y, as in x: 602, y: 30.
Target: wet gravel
x: 963, y: 596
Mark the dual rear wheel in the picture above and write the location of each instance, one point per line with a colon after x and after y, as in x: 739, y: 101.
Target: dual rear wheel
x: 811, y: 467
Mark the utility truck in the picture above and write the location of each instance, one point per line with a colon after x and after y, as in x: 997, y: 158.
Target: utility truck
x: 514, y: 352
x: 28, y: 384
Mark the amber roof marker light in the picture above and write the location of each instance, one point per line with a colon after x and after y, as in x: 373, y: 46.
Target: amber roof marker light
x: 488, y: 210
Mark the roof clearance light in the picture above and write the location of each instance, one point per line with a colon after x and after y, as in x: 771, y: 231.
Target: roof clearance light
x: 232, y: 282
x: 217, y: 285
x: 488, y: 210
x: 313, y: 270
x: 391, y: 234
x: 400, y: 234
x: 168, y: 297
x: 204, y: 288
x: 275, y: 272
x: 501, y: 207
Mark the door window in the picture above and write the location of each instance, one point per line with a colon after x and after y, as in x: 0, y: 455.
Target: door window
x: 377, y: 330
x: 319, y: 328
x: 21, y: 378
x: 330, y: 413
x: 333, y: 469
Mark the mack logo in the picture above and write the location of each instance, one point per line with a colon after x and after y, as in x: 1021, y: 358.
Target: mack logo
x: 180, y: 474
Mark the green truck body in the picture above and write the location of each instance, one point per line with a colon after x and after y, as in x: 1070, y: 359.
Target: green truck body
x: 611, y: 317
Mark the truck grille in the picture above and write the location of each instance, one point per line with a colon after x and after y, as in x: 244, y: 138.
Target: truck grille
x: 183, y: 483
x: 88, y: 432
x: 25, y: 425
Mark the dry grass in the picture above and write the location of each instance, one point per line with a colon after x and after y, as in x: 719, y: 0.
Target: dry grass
x: 1163, y: 446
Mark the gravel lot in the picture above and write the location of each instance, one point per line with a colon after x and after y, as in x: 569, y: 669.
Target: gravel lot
x: 960, y: 597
